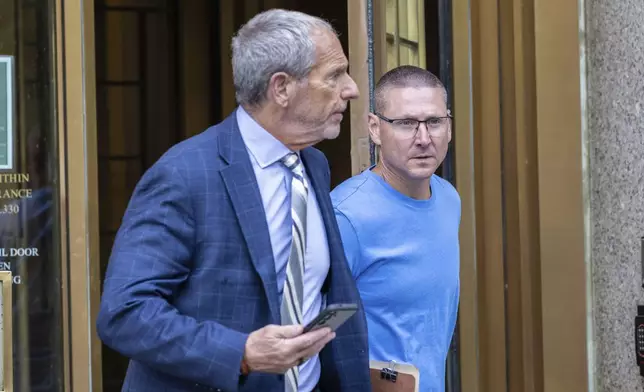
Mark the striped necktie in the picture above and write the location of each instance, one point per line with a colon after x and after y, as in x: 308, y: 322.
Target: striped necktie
x: 292, y: 298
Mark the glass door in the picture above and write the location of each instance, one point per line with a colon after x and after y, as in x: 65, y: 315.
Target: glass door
x: 30, y: 224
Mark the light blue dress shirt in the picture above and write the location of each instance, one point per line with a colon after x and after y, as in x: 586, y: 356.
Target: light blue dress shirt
x: 274, y: 181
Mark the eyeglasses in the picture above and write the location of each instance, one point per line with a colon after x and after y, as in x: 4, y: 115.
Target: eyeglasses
x: 408, y: 127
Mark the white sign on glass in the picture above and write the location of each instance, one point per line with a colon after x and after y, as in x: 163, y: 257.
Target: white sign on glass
x: 6, y: 112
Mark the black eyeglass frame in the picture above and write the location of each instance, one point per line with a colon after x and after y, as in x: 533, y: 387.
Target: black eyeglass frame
x: 418, y: 122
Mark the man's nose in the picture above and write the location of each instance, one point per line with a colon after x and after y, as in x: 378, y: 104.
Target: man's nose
x: 422, y: 135
x: 351, y: 90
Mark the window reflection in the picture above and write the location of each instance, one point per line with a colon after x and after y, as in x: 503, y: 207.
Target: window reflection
x: 405, y: 24
x: 29, y: 216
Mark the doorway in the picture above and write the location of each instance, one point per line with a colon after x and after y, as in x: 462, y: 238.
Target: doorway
x: 163, y: 74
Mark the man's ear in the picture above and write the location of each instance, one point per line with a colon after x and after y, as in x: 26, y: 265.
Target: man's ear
x: 374, y: 128
x: 280, y: 88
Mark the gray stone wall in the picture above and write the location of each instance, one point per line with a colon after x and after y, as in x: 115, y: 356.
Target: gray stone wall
x: 615, y: 88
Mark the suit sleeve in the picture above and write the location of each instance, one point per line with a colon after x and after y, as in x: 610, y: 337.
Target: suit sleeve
x: 350, y: 243
x: 150, y: 261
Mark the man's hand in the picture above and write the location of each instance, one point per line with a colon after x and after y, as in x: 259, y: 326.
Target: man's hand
x: 275, y: 349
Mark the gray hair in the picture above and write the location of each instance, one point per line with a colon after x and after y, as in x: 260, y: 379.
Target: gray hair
x: 273, y: 41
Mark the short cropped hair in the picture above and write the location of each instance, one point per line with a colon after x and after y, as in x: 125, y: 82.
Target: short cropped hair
x: 405, y: 76
x: 273, y: 41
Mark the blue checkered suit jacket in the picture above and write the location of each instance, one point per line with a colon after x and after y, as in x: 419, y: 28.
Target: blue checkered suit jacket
x: 192, y: 274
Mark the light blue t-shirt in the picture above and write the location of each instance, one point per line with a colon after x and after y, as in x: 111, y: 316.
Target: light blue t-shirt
x: 404, y: 256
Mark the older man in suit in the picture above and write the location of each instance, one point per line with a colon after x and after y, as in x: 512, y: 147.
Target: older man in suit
x: 230, y: 245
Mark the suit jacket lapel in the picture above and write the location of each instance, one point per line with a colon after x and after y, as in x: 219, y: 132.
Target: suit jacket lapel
x: 243, y: 190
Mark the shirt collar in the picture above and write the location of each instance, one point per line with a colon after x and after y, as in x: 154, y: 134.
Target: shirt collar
x: 263, y: 146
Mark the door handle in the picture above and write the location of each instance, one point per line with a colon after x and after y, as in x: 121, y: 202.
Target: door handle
x: 6, y: 334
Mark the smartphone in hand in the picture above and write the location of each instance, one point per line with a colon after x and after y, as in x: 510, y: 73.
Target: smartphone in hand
x: 333, y: 317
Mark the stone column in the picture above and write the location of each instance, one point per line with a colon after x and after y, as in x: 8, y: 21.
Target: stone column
x: 615, y: 48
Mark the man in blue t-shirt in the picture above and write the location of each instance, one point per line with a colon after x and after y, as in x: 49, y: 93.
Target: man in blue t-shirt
x: 399, y: 224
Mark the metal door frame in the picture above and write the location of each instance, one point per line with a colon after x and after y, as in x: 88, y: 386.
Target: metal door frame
x: 78, y: 192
